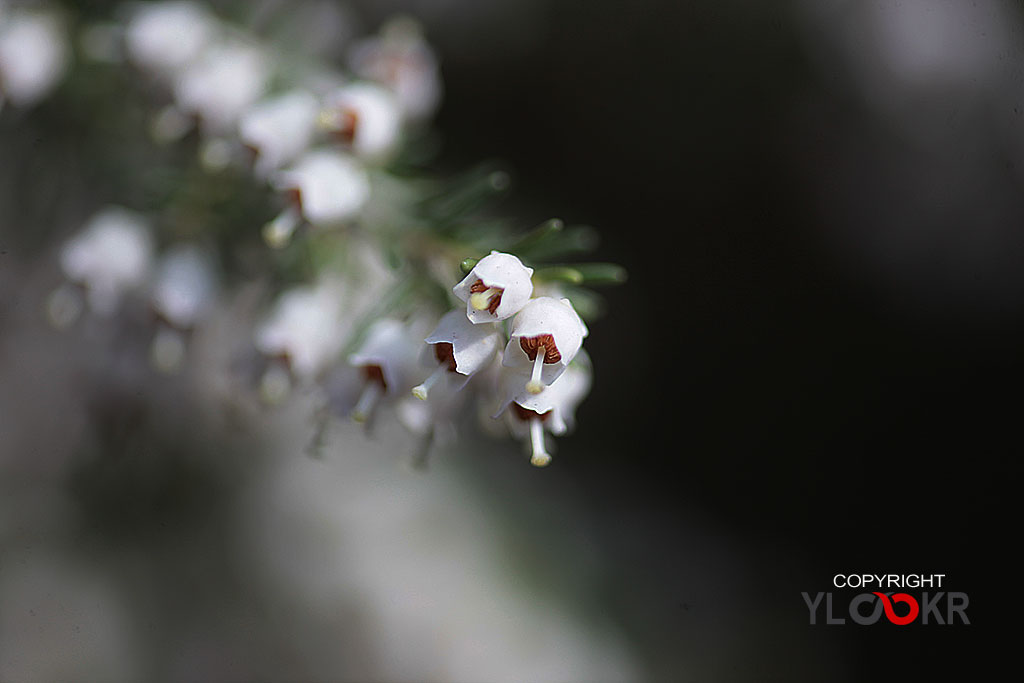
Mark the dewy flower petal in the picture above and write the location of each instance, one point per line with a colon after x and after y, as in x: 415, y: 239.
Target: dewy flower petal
x: 366, y: 117
x: 279, y: 129
x: 458, y: 346
x: 165, y: 36
x: 185, y: 286
x: 546, y: 335
x: 33, y: 56
x: 497, y: 288
x: 111, y: 255
x: 329, y: 186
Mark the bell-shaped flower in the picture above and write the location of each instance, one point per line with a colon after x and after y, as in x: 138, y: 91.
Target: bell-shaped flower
x: 109, y: 257
x: 458, y: 349
x: 552, y: 409
x: 366, y: 118
x: 279, y: 129
x: 305, y: 329
x: 497, y: 287
x: 401, y: 59
x: 326, y: 188
x: 33, y: 56
x: 164, y: 37
x: 221, y: 84
x: 387, y: 357
x: 546, y: 335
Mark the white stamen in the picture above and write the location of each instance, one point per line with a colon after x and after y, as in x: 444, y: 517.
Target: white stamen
x: 482, y: 300
x: 278, y: 232
x: 421, y: 391
x: 367, y: 401
x: 64, y: 306
x: 535, y: 386
x: 540, y: 456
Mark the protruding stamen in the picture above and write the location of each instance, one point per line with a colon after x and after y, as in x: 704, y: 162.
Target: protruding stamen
x: 481, y: 301
x: 64, y: 306
x: 421, y: 391
x: 535, y: 386
x: 278, y: 232
x: 540, y: 457
x: 372, y: 392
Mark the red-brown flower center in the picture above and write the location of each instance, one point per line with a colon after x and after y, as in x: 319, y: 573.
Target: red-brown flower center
x: 445, y: 353
x: 495, y: 300
x: 525, y: 414
x: 374, y: 373
x: 346, y: 130
x: 531, y: 344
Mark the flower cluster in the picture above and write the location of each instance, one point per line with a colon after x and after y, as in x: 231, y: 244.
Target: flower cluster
x: 363, y: 245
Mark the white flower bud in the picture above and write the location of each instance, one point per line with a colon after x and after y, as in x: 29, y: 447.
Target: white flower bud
x: 366, y: 117
x: 388, y: 359
x: 279, y: 129
x: 457, y: 346
x: 33, y: 56
x: 546, y: 336
x: 185, y: 286
x: 164, y: 37
x: 497, y: 288
x: 329, y: 187
x: 111, y: 255
x: 306, y: 328
x: 401, y: 60
x: 225, y: 80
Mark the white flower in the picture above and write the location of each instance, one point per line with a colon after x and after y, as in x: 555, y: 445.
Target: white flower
x: 33, y: 56
x: 366, y: 117
x: 553, y: 408
x: 185, y: 286
x: 400, y: 59
x: 111, y: 255
x: 222, y: 84
x: 387, y: 357
x: 327, y: 188
x: 546, y: 336
x: 305, y: 328
x: 497, y: 287
x: 279, y: 129
x: 165, y: 36
x: 458, y: 347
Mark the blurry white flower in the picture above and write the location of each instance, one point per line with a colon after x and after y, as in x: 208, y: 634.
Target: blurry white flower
x: 111, y: 255
x: 33, y: 56
x: 400, y: 59
x: 553, y: 408
x: 388, y: 359
x: 458, y: 347
x: 279, y: 129
x: 327, y: 188
x: 497, y: 287
x: 185, y: 286
x: 365, y: 117
x: 165, y: 37
x: 225, y: 80
x: 546, y: 336
x: 305, y: 328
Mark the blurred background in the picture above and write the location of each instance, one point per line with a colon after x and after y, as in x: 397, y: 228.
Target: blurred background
x: 812, y: 370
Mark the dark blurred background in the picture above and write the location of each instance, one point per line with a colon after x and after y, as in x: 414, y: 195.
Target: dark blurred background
x: 817, y: 359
